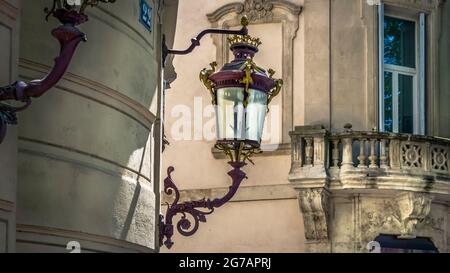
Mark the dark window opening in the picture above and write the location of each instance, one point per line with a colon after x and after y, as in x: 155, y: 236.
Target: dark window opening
x: 394, y: 244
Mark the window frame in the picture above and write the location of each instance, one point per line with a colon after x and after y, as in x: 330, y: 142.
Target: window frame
x: 418, y: 73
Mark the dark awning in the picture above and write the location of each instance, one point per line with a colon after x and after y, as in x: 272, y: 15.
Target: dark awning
x: 418, y: 243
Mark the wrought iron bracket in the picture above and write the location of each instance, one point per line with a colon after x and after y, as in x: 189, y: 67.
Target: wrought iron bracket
x: 198, y: 210
x: 196, y: 41
x: 69, y: 37
x: 184, y: 225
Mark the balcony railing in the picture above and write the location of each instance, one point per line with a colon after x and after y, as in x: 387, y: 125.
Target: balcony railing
x: 369, y: 160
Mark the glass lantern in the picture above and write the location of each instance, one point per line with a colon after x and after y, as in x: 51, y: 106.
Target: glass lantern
x: 241, y: 92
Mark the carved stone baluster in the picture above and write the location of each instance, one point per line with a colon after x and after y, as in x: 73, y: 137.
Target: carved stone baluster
x: 373, y: 154
x: 426, y: 156
x: 319, y: 151
x: 347, y: 154
x: 448, y: 159
x: 394, y: 154
x: 362, y: 154
x: 335, y: 154
x: 296, y: 153
x: 309, y: 151
x: 383, y: 154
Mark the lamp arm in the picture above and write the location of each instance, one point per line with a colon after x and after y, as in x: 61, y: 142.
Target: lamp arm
x: 196, y: 41
x: 184, y: 225
x: 69, y: 38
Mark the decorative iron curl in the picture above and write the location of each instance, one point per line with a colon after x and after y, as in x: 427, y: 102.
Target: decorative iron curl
x: 188, y: 226
x: 8, y: 116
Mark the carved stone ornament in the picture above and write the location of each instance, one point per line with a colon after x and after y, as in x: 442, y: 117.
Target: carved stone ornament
x: 315, y: 209
x: 256, y: 9
x: 401, y: 215
x: 414, y: 208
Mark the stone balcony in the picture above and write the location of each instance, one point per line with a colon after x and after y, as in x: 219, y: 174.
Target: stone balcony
x: 354, y: 186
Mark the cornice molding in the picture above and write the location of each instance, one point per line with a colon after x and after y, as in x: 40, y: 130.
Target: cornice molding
x: 140, y: 112
x: 417, y: 4
x: 254, y: 9
x: 23, y: 230
x: 6, y: 206
x: 245, y: 194
x: 9, y: 10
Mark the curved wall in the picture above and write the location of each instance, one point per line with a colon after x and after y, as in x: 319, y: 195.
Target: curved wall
x: 86, y: 147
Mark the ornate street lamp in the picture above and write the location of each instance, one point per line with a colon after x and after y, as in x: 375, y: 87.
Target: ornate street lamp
x: 241, y: 92
x: 69, y: 37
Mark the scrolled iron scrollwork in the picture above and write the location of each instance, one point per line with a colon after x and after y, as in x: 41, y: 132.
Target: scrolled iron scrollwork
x: 188, y: 226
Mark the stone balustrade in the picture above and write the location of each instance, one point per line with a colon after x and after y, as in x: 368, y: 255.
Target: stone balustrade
x: 353, y: 186
x: 354, y: 159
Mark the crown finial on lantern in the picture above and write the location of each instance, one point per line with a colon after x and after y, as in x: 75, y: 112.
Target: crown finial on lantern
x: 243, y: 46
x: 244, y: 40
x: 244, y: 21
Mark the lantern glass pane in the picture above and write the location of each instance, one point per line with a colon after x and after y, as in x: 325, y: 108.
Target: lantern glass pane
x: 256, y: 114
x: 230, y: 113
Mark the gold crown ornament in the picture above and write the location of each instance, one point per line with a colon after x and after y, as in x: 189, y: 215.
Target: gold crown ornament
x: 246, y: 40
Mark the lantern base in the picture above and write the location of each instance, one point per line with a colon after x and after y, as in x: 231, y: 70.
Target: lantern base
x: 239, y: 150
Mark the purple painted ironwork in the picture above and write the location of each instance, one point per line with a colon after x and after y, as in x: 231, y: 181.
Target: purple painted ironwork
x: 196, y: 41
x: 69, y: 38
x: 184, y: 225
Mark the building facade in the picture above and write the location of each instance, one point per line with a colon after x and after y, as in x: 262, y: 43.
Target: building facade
x: 356, y: 147
x: 81, y: 168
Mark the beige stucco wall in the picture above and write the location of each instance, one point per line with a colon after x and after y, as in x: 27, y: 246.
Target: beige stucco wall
x: 86, y: 148
x: 265, y: 216
x: 9, y: 44
x: 334, y: 81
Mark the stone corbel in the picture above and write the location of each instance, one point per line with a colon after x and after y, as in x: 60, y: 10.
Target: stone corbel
x: 414, y: 208
x: 314, y: 205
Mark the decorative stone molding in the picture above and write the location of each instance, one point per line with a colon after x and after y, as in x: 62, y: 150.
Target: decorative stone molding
x: 261, y: 12
x: 314, y: 205
x: 384, y: 218
x: 426, y: 5
x: 257, y: 9
x: 375, y: 183
x: 245, y: 193
x: 407, y: 215
x: 9, y: 10
x: 414, y: 208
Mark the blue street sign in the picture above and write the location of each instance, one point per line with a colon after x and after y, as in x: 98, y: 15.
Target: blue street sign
x: 146, y: 15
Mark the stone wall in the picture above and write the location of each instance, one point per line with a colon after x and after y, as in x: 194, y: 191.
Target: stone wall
x: 263, y: 217
x: 333, y: 66
x: 9, y: 41
x: 86, y: 149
